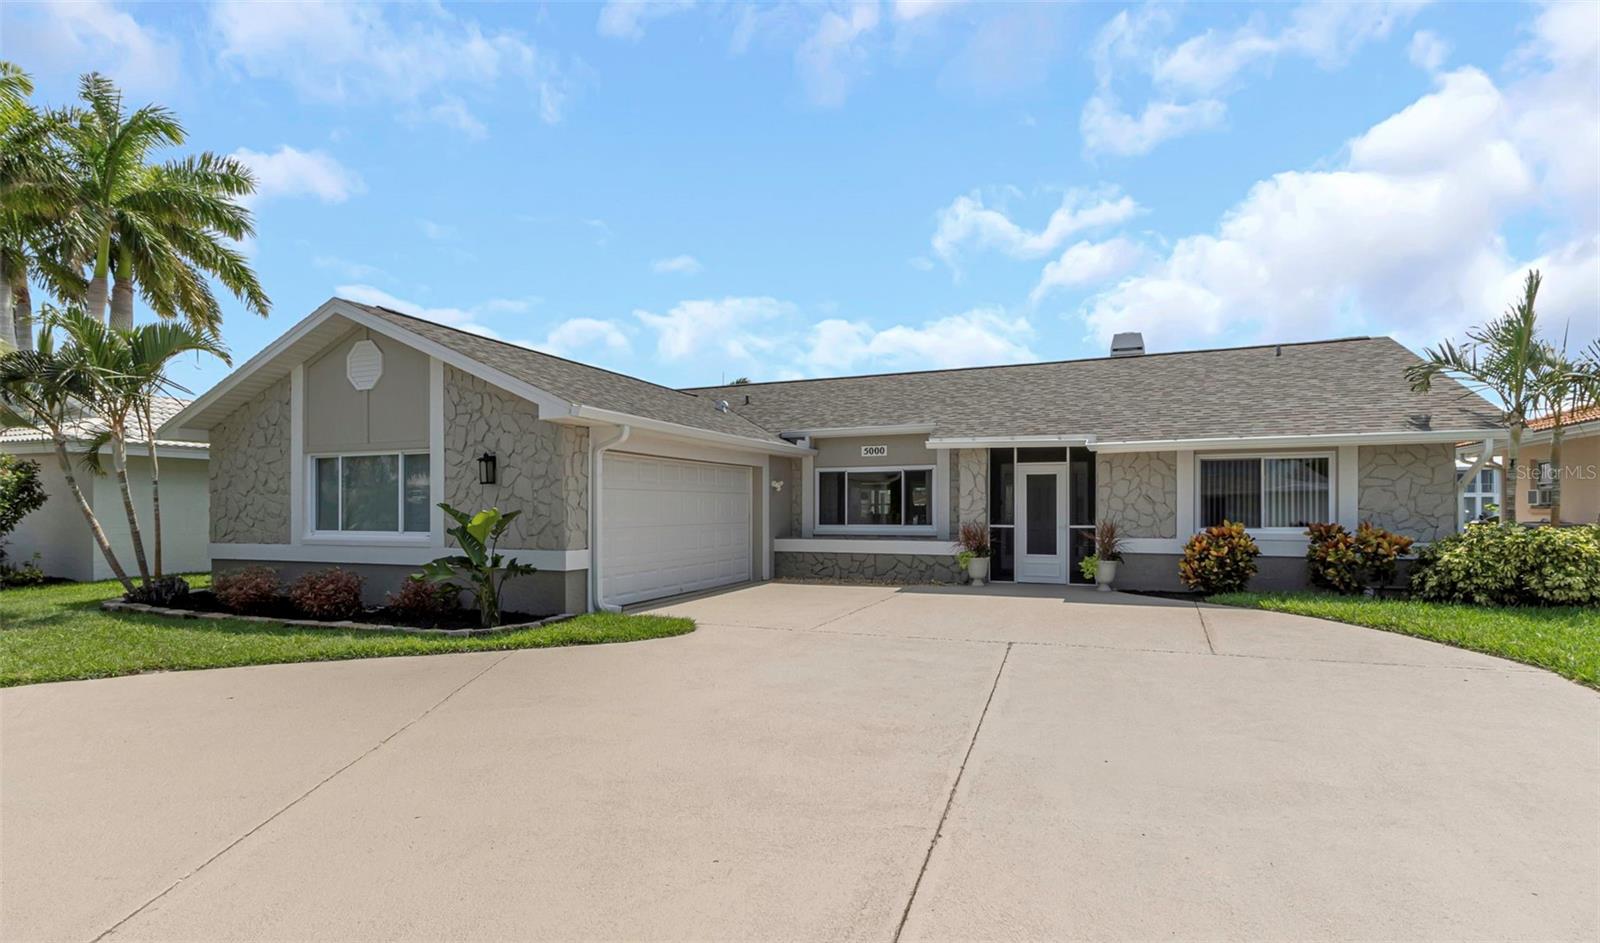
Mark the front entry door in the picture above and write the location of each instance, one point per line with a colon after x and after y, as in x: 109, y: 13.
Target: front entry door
x: 1041, y: 524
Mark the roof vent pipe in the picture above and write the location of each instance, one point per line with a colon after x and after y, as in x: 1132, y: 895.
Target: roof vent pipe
x: 1129, y: 344
x: 722, y: 405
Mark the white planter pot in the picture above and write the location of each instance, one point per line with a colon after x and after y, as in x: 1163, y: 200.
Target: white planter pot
x: 1104, y: 573
x: 978, y: 570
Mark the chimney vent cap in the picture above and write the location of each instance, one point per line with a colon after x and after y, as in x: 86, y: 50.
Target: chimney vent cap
x: 1127, y: 344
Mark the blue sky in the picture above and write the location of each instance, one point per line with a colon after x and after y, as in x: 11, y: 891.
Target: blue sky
x: 697, y: 192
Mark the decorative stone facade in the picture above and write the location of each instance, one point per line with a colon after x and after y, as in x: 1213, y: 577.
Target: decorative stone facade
x: 796, y: 494
x: 1139, y: 491
x: 866, y: 567
x: 1408, y: 489
x: 249, y: 471
x: 542, y: 468
x: 972, y: 502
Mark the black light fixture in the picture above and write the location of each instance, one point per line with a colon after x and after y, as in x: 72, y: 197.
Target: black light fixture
x: 486, y: 468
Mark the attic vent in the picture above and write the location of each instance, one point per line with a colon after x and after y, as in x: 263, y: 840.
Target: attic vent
x: 722, y: 405
x: 364, y: 365
x: 1129, y: 344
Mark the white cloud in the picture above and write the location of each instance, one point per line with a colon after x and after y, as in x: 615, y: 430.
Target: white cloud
x: 366, y: 52
x: 906, y: 10
x: 833, y: 58
x: 73, y: 37
x: 976, y: 337
x: 1190, y: 80
x: 734, y: 328
x: 452, y: 112
x: 570, y: 337
x: 1405, y: 235
x: 678, y: 264
x: 1427, y: 51
x: 289, y: 172
x: 1088, y: 263
x: 967, y: 223
x: 625, y: 19
x: 345, y: 268
x: 438, y: 232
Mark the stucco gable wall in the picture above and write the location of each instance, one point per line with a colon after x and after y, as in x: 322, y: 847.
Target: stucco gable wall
x: 249, y: 473
x: 542, y: 468
x: 1409, y: 489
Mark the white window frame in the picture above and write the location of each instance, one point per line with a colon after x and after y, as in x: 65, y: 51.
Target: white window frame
x: 1333, y: 487
x: 1477, y: 495
x: 929, y: 528
x: 398, y: 537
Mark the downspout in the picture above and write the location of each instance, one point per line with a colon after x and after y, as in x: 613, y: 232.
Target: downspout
x: 596, y: 489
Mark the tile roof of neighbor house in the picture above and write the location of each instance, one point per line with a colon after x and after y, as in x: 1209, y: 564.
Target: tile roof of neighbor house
x: 1353, y: 385
x: 581, y: 383
x: 89, y: 426
x: 1588, y: 414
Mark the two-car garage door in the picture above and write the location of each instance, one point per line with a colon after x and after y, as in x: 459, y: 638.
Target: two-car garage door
x: 672, y: 527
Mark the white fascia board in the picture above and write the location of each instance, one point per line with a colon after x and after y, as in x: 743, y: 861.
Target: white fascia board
x: 929, y: 547
x: 194, y: 453
x: 414, y: 554
x: 835, y: 432
x: 1298, y: 441
x: 612, y: 417
x: 1007, y: 441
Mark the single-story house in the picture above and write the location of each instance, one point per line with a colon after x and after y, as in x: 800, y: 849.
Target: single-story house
x: 335, y: 443
x: 1577, y: 481
x: 57, y: 532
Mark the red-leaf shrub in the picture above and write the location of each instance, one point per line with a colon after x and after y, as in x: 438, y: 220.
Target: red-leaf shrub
x: 1332, y: 559
x: 327, y: 594
x: 424, y: 601
x: 1219, y: 559
x: 252, y: 589
x: 1379, y: 552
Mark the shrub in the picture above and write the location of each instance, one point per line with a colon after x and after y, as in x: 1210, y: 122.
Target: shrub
x: 1507, y: 565
x: 1343, y: 562
x: 20, y: 493
x: 162, y: 592
x: 327, y: 594
x: 1219, y: 559
x: 479, y: 566
x: 975, y: 539
x: 252, y: 589
x: 1331, y: 558
x: 1107, y: 541
x: 422, y: 601
x: 28, y: 574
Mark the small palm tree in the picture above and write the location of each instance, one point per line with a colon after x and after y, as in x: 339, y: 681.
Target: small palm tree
x: 161, y: 228
x: 43, y: 389
x: 1504, y: 359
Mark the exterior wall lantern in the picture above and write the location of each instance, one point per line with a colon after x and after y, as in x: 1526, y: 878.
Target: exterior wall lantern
x: 486, y: 463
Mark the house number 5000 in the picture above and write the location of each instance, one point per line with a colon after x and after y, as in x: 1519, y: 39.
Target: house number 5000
x: 874, y: 451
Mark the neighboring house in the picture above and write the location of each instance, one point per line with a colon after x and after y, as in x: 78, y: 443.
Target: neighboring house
x: 57, y: 531
x: 335, y: 443
x: 1537, y: 482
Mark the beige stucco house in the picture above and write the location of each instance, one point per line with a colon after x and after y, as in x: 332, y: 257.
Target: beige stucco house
x: 1577, y: 480
x: 334, y: 445
x: 57, y: 533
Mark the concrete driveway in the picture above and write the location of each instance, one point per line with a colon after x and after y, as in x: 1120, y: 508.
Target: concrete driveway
x: 822, y: 762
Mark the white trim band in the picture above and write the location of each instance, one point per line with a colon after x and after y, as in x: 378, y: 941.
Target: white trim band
x: 1296, y: 441
x: 416, y: 555
x: 914, y: 548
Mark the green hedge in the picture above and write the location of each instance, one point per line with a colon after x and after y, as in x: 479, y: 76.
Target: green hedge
x: 1507, y: 565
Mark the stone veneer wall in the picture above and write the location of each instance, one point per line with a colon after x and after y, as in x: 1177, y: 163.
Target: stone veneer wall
x: 796, y: 494
x: 1408, y: 489
x: 972, y: 504
x: 866, y: 567
x: 1139, y: 491
x: 249, y: 471
x: 543, y: 468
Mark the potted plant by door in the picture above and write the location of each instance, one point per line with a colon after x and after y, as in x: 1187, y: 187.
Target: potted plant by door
x: 974, y: 555
x: 1108, y: 553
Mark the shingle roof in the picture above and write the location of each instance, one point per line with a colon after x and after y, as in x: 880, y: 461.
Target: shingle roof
x: 1353, y: 385
x: 89, y: 426
x: 581, y: 383
x: 1541, y: 423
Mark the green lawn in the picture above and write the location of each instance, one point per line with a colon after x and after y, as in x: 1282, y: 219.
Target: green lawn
x: 1565, y: 640
x: 58, y: 633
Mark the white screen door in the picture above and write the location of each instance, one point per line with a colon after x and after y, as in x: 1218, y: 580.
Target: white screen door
x: 1041, y: 524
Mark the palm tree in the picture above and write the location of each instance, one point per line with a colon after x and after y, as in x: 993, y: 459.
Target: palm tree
x: 1566, y: 387
x: 43, y: 389
x: 1503, y: 358
x: 127, y: 370
x: 161, y: 228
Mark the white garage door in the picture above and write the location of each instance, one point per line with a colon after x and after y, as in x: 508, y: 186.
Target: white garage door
x: 672, y: 527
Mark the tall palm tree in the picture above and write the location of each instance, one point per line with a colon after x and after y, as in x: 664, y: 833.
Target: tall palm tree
x: 43, y: 389
x: 162, y: 229
x: 1504, y: 359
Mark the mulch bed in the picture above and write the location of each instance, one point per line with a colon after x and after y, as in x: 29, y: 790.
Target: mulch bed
x: 203, y: 604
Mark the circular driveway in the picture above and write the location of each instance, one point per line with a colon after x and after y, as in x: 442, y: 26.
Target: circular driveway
x: 822, y: 762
